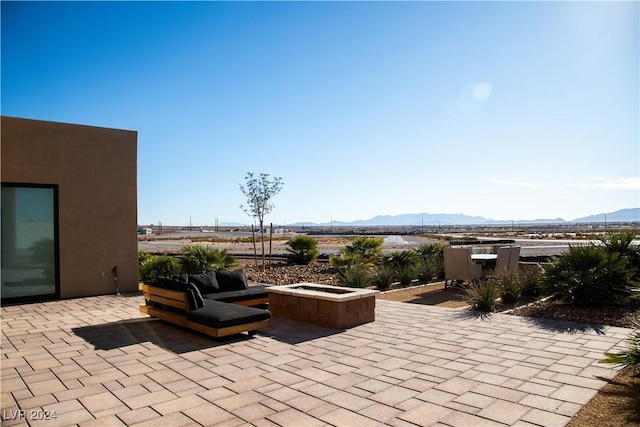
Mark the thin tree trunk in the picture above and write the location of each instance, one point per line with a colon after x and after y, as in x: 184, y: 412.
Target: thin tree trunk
x: 262, y: 243
x: 270, y: 243
x: 255, y: 251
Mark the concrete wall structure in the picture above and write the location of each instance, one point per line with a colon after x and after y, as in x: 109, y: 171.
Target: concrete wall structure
x: 96, y: 173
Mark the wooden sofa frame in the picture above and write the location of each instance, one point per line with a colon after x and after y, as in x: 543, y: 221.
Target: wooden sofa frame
x: 177, y: 299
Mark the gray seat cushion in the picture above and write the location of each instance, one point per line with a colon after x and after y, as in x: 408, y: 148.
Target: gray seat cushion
x: 239, y: 295
x: 223, y: 315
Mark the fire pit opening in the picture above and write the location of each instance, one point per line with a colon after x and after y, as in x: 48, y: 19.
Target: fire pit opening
x: 336, y: 291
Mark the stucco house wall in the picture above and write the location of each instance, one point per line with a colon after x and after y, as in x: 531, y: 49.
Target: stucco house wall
x: 96, y: 173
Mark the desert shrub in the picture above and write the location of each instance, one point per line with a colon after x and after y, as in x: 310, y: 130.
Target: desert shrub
x: 158, y: 266
x: 367, y: 248
x: 302, y: 250
x: 197, y: 259
x: 510, y: 284
x: 629, y: 358
x: 530, y: 279
x: 482, y: 296
x: 400, y: 259
x: 341, y: 260
x: 383, y: 277
x: 355, y: 275
x: 622, y: 243
x: 404, y: 264
x: 588, y: 275
x: 143, y: 256
x: 431, y: 261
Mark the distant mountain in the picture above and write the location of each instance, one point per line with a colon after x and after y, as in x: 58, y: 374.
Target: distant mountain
x: 623, y: 215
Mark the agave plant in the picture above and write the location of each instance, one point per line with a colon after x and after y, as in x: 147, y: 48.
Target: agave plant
x: 197, y: 259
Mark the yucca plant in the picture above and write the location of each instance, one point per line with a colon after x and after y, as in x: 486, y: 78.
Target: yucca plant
x: 302, y: 250
x: 482, y: 296
x: 197, y: 259
x: 355, y: 275
x: 431, y: 261
x: 629, y: 358
x: 510, y: 287
x: 158, y: 266
x: 589, y: 275
x: 383, y: 277
x: 530, y: 280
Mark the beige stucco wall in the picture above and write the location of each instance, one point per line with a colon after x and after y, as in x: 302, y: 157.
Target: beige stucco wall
x: 95, y: 169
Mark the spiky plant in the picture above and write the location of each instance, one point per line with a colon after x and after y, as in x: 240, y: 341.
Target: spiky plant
x: 143, y: 256
x: 355, y: 275
x: 431, y: 260
x: 622, y: 243
x: 589, y: 275
x: 482, y: 296
x: 510, y: 285
x: 383, y: 277
x: 629, y: 358
x: 158, y: 266
x: 302, y: 250
x: 367, y: 248
x: 197, y: 259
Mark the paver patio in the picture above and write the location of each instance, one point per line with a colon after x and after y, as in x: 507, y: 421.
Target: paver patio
x: 98, y: 361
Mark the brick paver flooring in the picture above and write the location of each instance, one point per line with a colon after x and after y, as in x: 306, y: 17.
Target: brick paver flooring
x: 99, y: 362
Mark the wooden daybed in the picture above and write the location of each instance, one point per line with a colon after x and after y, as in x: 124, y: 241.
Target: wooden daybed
x: 213, y: 318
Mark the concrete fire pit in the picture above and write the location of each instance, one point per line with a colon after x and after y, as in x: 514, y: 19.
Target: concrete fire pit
x: 323, y: 305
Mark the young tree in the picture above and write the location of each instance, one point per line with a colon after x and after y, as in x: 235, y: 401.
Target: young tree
x: 259, y: 190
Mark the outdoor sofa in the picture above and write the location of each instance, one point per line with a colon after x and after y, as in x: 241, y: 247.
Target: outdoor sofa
x: 214, y: 303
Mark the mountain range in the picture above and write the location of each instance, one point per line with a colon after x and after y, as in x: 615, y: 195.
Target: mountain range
x: 622, y: 215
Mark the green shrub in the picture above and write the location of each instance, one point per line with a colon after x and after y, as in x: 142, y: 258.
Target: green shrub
x: 482, y: 296
x: 510, y: 287
x: 302, y: 250
x: 355, y: 275
x: 367, y: 248
x: 530, y: 280
x: 404, y: 264
x: 158, y: 266
x: 622, y: 243
x: 143, y: 256
x: 431, y: 261
x: 588, y: 275
x: 629, y: 358
x: 197, y: 259
x: 340, y: 260
x: 383, y: 277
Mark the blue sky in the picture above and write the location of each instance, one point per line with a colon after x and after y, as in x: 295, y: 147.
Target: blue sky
x: 507, y: 110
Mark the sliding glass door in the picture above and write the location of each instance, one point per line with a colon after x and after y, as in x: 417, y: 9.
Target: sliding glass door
x: 29, y: 242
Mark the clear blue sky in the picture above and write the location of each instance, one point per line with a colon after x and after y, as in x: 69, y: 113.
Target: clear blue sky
x: 505, y: 110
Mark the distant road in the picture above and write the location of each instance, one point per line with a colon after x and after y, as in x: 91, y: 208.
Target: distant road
x: 173, y: 242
